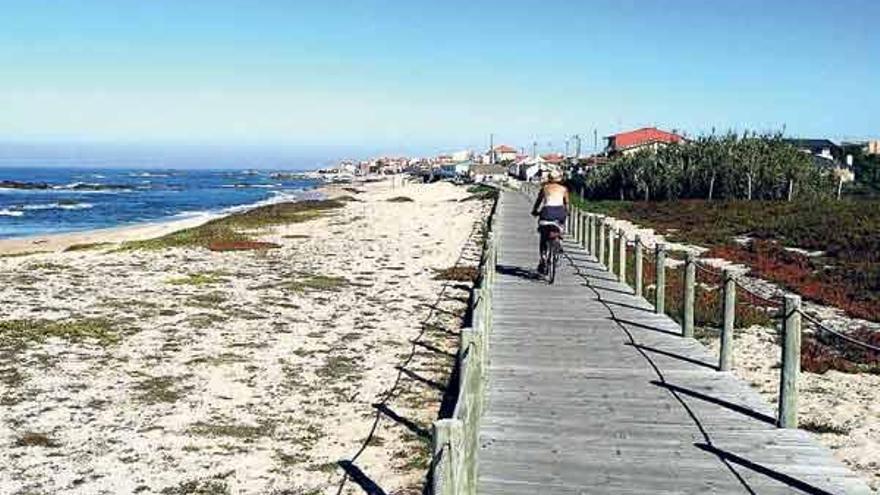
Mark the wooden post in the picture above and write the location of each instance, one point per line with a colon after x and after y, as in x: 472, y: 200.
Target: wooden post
x: 472, y: 342
x: 660, y: 288
x: 588, y: 224
x: 490, y: 265
x: 446, y: 442
x: 791, y: 362
x: 610, y: 251
x: 584, y: 231
x: 601, y: 241
x: 725, y: 360
x: 638, y: 253
x: 594, y: 234
x: 580, y: 223
x: 621, y: 256
x: 690, y: 275
x: 471, y: 394
x: 573, y: 222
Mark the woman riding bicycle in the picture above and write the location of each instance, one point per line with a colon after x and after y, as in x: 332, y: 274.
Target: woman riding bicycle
x: 551, y: 208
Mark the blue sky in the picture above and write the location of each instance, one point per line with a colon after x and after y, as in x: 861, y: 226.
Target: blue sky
x: 409, y: 75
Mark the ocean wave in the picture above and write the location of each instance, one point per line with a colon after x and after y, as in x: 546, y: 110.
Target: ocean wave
x: 277, y: 197
x: 148, y: 174
x: 58, y: 206
x: 93, y: 187
x: 251, y: 186
x: 11, y: 213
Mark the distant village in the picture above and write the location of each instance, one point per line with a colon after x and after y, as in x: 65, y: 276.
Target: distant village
x: 502, y: 161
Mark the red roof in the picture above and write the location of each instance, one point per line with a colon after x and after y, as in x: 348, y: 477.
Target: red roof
x: 639, y: 137
x: 503, y: 148
x: 553, y: 158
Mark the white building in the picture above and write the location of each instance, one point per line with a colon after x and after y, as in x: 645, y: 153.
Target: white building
x: 462, y: 156
x: 504, y: 153
x: 488, y: 173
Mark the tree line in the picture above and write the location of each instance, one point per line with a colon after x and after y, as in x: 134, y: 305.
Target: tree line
x: 731, y: 166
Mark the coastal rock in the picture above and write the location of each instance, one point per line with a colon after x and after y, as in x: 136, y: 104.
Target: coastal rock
x: 14, y: 184
x: 77, y: 186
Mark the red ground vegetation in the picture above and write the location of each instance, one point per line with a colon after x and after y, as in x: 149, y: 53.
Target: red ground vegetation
x: 846, y: 274
x: 803, y: 275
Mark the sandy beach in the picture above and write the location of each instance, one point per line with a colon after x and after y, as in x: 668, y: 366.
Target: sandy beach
x: 51, y: 243
x: 184, y: 370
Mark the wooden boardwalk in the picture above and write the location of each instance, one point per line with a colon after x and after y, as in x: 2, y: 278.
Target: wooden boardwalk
x: 589, y: 391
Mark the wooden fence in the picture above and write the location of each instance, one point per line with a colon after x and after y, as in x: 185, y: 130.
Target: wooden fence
x: 599, y: 235
x: 455, y: 440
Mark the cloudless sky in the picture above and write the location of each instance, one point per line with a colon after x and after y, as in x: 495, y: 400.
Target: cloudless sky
x: 415, y: 75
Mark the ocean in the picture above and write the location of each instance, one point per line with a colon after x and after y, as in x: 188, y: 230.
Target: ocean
x: 48, y: 200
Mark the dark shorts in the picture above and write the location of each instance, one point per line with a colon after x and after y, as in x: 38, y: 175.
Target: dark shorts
x: 553, y: 213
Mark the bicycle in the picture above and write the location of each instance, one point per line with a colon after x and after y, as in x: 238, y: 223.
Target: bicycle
x: 553, y: 232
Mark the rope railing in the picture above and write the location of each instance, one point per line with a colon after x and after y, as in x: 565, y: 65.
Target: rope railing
x: 821, y: 326
x: 774, y: 303
x: 598, y: 240
x: 455, y: 439
x: 705, y: 269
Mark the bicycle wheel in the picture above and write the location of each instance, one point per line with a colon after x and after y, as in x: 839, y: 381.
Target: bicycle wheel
x: 552, y: 260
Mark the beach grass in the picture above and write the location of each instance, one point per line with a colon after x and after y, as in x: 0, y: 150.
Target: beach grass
x: 16, y: 333
x: 232, y: 430
x: 22, y: 254
x: 207, y: 486
x: 317, y: 283
x: 232, y: 232
x: 158, y: 389
x: 88, y: 246
x: 481, y: 192
x: 457, y: 274
x: 36, y: 439
x: 197, y: 279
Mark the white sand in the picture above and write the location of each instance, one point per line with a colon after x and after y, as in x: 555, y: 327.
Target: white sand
x: 255, y: 381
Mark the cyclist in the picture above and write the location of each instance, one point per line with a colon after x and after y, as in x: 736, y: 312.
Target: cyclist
x: 551, y: 208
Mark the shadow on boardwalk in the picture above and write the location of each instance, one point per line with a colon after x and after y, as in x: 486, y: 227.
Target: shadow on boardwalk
x: 518, y: 272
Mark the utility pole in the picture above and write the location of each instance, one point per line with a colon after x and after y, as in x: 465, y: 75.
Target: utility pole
x: 491, y: 149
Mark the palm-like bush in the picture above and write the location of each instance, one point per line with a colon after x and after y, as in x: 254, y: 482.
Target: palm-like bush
x: 732, y: 166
